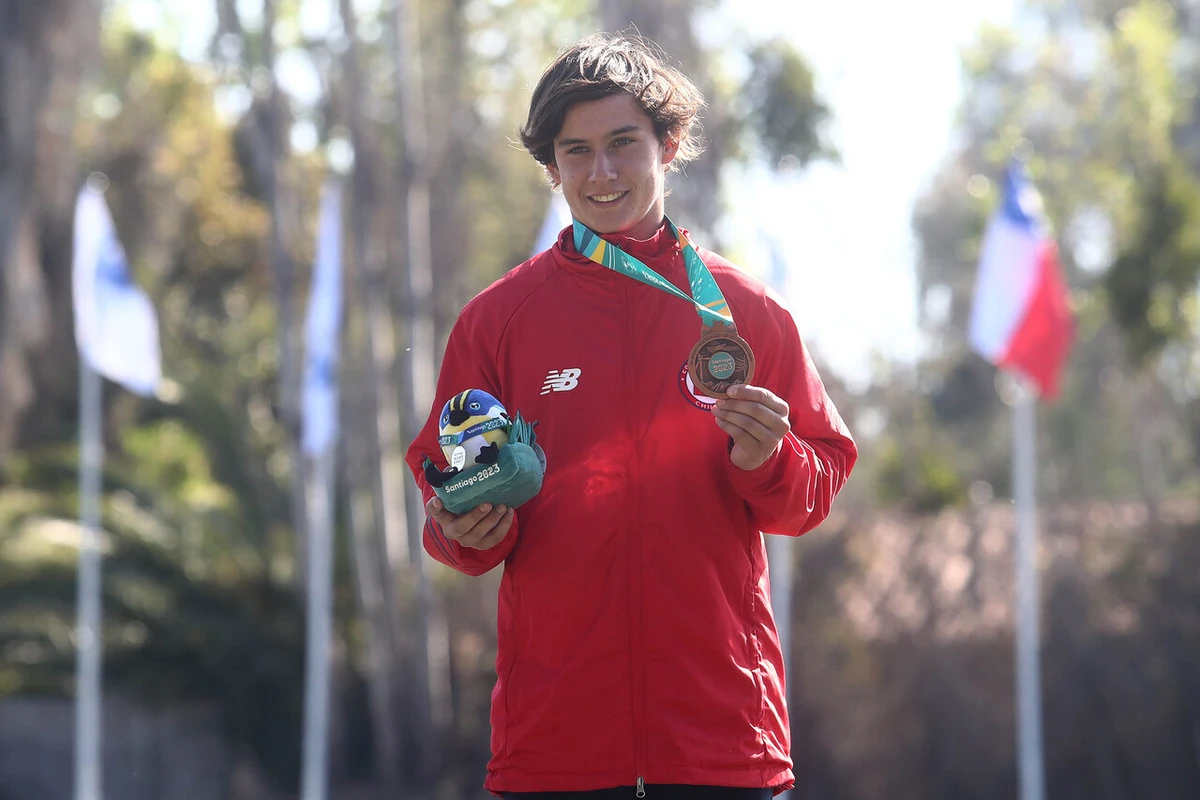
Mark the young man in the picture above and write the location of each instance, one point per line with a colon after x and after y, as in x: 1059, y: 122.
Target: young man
x: 637, y: 653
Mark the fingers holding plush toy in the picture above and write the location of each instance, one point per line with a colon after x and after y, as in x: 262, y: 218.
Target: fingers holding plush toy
x: 481, y: 528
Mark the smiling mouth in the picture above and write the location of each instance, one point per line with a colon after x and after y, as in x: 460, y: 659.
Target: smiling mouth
x: 607, y: 198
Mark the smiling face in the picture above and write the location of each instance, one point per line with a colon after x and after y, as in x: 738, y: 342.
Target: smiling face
x: 611, y: 166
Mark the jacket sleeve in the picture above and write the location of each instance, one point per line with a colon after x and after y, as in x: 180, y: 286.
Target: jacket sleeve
x: 469, y: 363
x: 794, y: 490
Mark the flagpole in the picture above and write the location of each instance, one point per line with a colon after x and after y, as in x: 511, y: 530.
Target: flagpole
x: 1021, y: 322
x: 318, y: 444
x: 779, y: 569
x: 88, y: 645
x: 1028, y: 677
x: 780, y: 549
x: 116, y: 334
x: 779, y: 566
x: 320, y: 626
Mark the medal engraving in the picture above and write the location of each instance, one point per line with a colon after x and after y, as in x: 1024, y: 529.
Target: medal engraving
x: 720, y: 359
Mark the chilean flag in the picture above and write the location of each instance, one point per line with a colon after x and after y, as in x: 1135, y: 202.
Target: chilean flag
x: 1020, y: 319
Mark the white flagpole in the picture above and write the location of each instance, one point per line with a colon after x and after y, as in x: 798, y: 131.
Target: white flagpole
x: 320, y: 626
x: 1028, y: 671
x: 780, y: 568
x: 781, y: 549
x: 320, y: 403
x: 88, y: 644
x: 116, y: 333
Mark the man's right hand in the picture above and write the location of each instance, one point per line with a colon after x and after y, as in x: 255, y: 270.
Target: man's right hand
x: 481, y: 528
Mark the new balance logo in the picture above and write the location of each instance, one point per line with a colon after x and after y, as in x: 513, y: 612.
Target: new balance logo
x: 563, y: 381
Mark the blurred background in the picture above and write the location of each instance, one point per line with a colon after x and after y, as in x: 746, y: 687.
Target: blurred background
x: 855, y: 155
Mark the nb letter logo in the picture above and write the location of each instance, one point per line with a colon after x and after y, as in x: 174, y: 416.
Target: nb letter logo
x: 563, y: 381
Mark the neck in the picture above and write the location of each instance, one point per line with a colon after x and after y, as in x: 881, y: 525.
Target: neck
x: 646, y: 229
x: 643, y: 232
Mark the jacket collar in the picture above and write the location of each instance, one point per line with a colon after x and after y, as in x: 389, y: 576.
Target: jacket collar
x: 659, y: 252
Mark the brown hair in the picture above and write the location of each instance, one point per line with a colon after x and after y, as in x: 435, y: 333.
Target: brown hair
x: 602, y: 65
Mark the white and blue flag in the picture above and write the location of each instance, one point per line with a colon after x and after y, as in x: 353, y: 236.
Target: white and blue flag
x: 777, y: 272
x: 558, y: 216
x: 116, y: 328
x: 322, y: 332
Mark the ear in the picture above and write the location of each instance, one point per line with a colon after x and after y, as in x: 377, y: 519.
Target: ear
x: 555, y: 177
x: 670, y: 150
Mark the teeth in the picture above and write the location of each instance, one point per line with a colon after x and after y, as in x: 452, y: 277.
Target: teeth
x: 607, y: 198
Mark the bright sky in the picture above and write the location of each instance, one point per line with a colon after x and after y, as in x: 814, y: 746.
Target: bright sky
x: 891, y: 73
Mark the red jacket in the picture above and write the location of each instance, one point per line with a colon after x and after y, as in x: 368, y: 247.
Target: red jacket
x: 635, y: 633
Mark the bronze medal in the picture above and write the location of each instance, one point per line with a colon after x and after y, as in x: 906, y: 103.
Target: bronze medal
x: 719, y: 360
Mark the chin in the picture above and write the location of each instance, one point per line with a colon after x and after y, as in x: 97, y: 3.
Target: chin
x: 606, y: 230
x: 620, y: 226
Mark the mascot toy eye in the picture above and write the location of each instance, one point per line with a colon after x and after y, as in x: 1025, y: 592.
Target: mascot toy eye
x: 491, y: 456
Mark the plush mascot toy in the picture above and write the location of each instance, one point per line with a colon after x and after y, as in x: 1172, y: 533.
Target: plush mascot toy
x: 473, y: 428
x: 492, y: 457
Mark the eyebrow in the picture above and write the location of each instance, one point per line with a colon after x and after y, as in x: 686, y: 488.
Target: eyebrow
x: 610, y: 135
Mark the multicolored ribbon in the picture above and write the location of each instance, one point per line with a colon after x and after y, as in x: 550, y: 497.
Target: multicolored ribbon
x: 706, y: 295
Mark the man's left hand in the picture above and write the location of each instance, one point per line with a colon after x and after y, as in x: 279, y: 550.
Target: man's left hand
x: 756, y: 420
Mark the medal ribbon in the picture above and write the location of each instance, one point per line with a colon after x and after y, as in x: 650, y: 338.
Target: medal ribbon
x: 706, y: 295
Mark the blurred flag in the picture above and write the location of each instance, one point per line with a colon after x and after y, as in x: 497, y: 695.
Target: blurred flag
x: 322, y: 333
x: 777, y: 272
x: 1020, y: 319
x: 558, y: 216
x: 116, y: 328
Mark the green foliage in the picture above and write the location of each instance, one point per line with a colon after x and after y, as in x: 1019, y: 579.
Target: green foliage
x: 1151, y: 286
x: 191, y: 610
x: 924, y: 481
x: 785, y: 113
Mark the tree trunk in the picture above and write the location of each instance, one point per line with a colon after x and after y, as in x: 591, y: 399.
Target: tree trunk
x: 419, y: 380
x: 280, y: 202
x: 44, y: 50
x: 376, y: 598
x: 375, y: 564
x: 1143, y: 403
x: 414, y: 187
x: 24, y: 323
x: 457, y: 124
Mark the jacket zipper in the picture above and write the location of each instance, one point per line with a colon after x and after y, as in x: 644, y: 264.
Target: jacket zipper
x: 635, y: 574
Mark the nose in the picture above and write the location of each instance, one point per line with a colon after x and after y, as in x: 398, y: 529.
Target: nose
x: 603, y: 168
